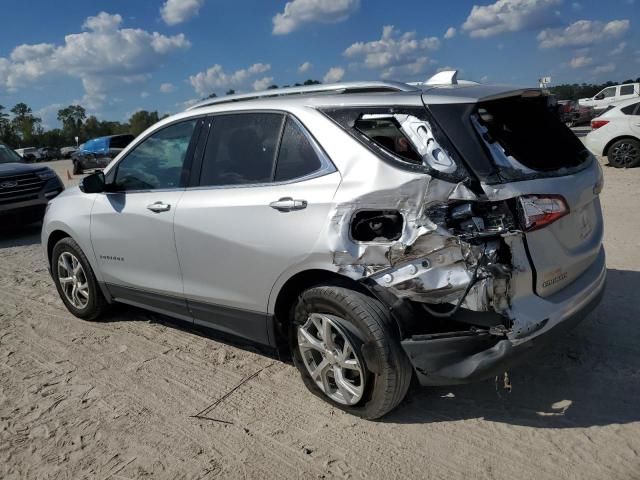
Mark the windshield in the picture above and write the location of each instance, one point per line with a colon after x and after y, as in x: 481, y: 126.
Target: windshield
x: 9, y: 156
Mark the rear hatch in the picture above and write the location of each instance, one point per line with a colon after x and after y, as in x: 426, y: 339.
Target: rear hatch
x: 519, y: 149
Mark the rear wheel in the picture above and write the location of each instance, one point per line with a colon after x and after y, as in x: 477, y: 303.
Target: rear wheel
x: 347, y: 350
x: 624, y: 153
x: 75, y: 281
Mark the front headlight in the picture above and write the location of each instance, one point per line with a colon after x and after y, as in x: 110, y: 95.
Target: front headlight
x: 46, y: 174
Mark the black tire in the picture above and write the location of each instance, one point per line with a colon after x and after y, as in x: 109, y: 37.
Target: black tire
x: 388, y: 371
x: 76, y: 168
x: 96, y: 305
x: 624, y: 153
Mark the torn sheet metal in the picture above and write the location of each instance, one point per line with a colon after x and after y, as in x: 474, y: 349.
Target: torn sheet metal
x: 427, y: 263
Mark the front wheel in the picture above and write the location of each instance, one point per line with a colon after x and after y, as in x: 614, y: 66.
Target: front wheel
x: 346, y: 347
x: 76, y: 282
x: 625, y: 153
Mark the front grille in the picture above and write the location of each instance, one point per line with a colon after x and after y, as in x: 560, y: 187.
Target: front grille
x: 17, y: 188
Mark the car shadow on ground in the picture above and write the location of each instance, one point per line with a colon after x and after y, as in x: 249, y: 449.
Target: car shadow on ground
x: 589, y: 377
x: 20, y: 236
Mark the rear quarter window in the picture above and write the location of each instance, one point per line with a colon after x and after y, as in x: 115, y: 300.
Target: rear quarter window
x: 632, y: 109
x: 406, y: 137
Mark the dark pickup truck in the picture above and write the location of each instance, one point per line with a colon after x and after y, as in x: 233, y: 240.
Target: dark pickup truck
x: 25, y: 189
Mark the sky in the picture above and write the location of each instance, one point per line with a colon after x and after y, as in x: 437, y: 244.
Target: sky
x: 118, y: 56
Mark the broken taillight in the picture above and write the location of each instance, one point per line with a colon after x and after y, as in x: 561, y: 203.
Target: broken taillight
x: 538, y: 211
x: 598, y: 123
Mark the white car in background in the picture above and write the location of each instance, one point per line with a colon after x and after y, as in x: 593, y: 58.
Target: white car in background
x: 616, y: 134
x: 611, y: 96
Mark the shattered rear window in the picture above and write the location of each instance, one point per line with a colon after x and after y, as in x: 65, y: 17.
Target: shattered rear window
x: 529, y: 130
x: 407, y: 137
x: 386, y: 133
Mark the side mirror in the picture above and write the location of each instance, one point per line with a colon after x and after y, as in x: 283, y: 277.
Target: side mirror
x: 599, y: 96
x: 93, y: 183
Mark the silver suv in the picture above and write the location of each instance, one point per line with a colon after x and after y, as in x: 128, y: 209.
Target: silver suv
x: 378, y: 231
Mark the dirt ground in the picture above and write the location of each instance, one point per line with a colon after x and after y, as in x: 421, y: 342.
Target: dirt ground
x: 115, y: 399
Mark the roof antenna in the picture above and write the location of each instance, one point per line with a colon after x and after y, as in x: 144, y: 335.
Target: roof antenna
x: 446, y: 77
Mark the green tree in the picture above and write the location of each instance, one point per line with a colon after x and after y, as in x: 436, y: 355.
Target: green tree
x: 312, y: 82
x: 141, y: 120
x: 231, y: 91
x: 72, y: 118
x: 26, y: 125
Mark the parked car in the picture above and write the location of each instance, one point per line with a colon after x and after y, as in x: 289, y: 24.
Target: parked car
x: 611, y: 95
x: 616, y: 134
x: 98, y: 152
x: 29, y: 154
x: 375, y: 230
x: 66, y: 152
x: 573, y: 114
x: 46, y: 154
x: 24, y: 189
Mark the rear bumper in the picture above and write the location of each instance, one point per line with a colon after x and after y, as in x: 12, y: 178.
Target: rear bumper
x: 463, y: 357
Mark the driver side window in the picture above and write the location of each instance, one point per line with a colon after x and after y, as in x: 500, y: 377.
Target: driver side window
x: 609, y: 92
x: 157, y: 162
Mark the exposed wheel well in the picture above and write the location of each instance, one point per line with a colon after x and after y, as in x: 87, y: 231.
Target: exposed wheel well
x: 606, y: 149
x: 54, y: 238
x: 297, y: 284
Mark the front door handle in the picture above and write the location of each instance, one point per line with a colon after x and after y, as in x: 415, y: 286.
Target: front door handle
x: 288, y: 204
x: 159, y: 207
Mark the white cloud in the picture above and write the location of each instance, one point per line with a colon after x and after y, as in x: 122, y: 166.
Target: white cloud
x: 395, y: 53
x: 167, y: 87
x: 178, y: 11
x: 576, y: 6
x: 484, y: 79
x: 582, y: 33
x: 509, y: 16
x: 49, y: 115
x: 298, y: 12
x: 144, y: 94
x: 215, y: 77
x: 619, y: 49
x: 262, y: 83
x: 580, y: 61
x: 103, y: 57
x: 334, y: 74
x: 609, y: 67
x: 450, y: 33
x: 305, y: 67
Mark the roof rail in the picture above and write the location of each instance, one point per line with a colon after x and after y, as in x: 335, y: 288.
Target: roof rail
x: 343, y: 87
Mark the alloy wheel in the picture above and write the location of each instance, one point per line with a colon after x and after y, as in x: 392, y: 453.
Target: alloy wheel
x: 331, y: 359
x: 73, y: 280
x: 625, y: 154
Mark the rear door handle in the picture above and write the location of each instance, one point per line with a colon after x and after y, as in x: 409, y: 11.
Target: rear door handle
x: 159, y: 207
x: 288, y: 204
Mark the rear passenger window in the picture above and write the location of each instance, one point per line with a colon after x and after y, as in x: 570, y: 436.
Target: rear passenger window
x: 297, y: 157
x: 631, y: 109
x: 241, y: 149
x: 626, y: 90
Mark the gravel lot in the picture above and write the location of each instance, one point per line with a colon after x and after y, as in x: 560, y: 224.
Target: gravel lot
x: 114, y: 399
